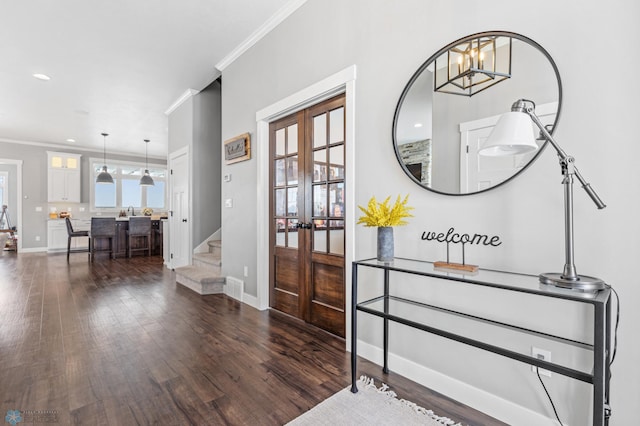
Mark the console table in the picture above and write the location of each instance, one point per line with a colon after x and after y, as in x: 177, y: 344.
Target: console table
x: 413, y: 313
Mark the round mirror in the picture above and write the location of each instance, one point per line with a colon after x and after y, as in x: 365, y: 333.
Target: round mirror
x: 452, y: 102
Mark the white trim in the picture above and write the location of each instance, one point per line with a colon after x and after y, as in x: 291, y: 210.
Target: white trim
x: 18, y: 164
x: 33, y: 249
x: 250, y: 300
x: 479, y: 399
x: 342, y: 82
x: 181, y: 99
x: 76, y: 147
x: 261, y: 32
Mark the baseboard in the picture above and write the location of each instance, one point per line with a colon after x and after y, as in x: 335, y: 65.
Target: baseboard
x: 488, y: 403
x: 34, y: 250
x: 250, y: 300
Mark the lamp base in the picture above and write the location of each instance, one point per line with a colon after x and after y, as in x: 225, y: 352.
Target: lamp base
x: 583, y: 283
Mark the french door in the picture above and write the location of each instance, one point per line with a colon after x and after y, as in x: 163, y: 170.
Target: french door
x: 307, y: 151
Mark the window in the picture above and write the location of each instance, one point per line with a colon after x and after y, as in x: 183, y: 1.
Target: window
x: 126, y: 190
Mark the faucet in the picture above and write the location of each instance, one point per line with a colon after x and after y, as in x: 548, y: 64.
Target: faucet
x: 133, y: 213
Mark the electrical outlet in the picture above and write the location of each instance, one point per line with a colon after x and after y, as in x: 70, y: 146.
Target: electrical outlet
x: 246, y: 271
x: 37, y: 237
x: 542, y: 355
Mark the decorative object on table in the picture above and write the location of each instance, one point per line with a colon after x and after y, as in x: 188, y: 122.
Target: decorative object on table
x: 104, y: 176
x: 453, y: 237
x: 237, y: 149
x: 514, y: 134
x: 123, y: 213
x: 147, y: 211
x: 146, y: 179
x: 385, y: 217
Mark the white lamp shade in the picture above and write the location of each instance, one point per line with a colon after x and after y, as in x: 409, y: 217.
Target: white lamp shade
x: 512, y: 135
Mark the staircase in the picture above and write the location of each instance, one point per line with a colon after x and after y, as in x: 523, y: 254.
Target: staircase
x: 204, y: 275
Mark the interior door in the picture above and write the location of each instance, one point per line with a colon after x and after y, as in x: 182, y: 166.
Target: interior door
x: 307, y: 206
x: 179, y: 226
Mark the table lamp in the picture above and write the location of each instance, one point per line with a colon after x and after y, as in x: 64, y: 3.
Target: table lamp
x: 513, y: 134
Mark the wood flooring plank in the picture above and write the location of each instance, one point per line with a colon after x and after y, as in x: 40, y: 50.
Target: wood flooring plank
x: 117, y: 342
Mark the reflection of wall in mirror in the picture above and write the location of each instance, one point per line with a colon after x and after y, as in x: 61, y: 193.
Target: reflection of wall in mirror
x: 533, y: 77
x: 417, y: 157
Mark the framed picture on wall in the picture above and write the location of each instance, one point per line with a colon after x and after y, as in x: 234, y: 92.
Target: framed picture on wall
x: 237, y: 149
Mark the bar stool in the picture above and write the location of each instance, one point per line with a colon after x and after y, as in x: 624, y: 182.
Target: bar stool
x: 139, y: 227
x: 74, y: 234
x: 102, y: 228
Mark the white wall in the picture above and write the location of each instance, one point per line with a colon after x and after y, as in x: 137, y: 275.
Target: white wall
x: 387, y: 41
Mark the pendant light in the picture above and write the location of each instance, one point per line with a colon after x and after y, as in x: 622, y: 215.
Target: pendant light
x: 104, y: 176
x: 146, y: 179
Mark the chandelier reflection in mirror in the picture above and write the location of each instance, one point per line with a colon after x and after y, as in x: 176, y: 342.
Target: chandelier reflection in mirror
x: 473, y: 66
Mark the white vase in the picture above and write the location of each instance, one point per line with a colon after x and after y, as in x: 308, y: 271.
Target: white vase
x: 385, y: 243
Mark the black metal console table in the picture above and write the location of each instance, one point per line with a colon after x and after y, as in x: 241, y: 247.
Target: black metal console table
x: 412, y: 313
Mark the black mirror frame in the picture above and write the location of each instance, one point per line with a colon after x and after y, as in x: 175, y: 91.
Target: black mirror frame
x: 431, y: 59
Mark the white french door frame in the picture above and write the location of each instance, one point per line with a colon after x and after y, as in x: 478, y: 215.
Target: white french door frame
x: 18, y: 164
x: 341, y: 82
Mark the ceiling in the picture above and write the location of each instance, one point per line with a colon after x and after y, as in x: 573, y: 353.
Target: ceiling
x: 116, y: 66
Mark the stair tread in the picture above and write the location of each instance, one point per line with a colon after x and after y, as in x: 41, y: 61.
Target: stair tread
x: 202, y: 275
x: 214, y: 243
x: 208, y: 258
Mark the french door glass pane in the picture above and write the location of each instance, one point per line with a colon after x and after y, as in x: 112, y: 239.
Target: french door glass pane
x: 278, y: 170
x: 320, y: 130
x: 336, y: 237
x: 280, y: 202
x: 320, y: 165
x: 292, y: 170
x: 280, y: 232
x: 292, y: 234
x: 292, y: 139
x: 319, y: 201
x: 280, y: 140
x: 336, y: 199
x: 292, y: 201
x: 320, y: 240
x: 336, y: 123
x: 336, y: 162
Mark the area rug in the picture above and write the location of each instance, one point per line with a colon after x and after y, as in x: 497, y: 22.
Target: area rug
x: 370, y: 406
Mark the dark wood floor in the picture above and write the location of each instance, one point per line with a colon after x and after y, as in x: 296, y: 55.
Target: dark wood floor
x: 117, y: 342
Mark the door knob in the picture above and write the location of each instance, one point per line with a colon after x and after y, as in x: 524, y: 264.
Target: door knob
x: 184, y: 220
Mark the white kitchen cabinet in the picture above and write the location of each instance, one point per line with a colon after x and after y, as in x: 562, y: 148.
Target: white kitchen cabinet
x: 63, y: 177
x: 57, y: 234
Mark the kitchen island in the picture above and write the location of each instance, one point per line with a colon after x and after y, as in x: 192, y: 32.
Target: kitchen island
x: 120, y: 242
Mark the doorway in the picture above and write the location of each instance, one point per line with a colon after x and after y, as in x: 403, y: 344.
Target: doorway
x: 307, y: 205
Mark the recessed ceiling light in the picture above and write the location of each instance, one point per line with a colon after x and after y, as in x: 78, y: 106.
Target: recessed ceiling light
x: 417, y: 125
x: 71, y: 140
x: 42, y: 77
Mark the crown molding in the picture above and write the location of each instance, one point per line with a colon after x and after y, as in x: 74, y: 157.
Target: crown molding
x: 74, y: 148
x: 262, y: 31
x: 181, y: 99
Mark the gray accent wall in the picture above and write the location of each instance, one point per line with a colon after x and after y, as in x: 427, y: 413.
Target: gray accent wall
x: 196, y: 124
x: 207, y: 151
x: 387, y: 41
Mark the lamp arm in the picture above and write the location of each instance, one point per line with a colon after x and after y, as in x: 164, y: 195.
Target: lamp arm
x: 528, y: 107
